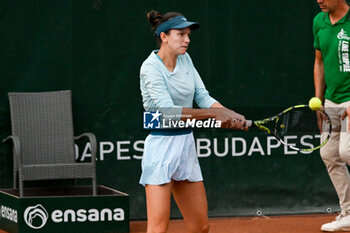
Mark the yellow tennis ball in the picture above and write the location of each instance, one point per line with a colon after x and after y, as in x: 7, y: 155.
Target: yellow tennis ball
x: 315, y: 103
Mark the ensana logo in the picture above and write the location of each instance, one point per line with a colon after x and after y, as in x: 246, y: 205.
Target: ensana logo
x: 35, y: 216
x: 8, y: 213
x: 91, y: 215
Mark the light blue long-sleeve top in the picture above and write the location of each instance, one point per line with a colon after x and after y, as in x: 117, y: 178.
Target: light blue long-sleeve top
x: 162, y: 89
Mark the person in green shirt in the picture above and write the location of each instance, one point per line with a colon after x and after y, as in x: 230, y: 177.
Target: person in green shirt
x: 331, y: 29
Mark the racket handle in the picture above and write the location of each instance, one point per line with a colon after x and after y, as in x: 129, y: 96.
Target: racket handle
x: 249, y: 123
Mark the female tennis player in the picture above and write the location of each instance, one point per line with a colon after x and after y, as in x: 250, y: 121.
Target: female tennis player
x: 170, y: 165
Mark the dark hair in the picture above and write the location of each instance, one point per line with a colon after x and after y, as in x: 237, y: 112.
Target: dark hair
x: 155, y: 19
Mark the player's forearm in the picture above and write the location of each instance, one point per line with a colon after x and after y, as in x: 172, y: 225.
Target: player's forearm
x: 227, y: 117
x: 319, y: 76
x: 200, y: 114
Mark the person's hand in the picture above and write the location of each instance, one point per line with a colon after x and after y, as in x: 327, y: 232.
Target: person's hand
x: 238, y: 118
x: 346, y: 113
x: 230, y: 119
x: 320, y: 118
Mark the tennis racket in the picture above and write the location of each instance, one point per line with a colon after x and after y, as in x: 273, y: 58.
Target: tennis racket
x: 297, y: 128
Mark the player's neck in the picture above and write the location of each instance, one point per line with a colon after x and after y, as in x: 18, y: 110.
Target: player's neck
x: 339, y: 13
x: 168, y: 59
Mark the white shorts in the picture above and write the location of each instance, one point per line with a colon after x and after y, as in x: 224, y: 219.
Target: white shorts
x: 170, y: 157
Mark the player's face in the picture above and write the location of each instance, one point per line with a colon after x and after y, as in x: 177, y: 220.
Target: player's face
x: 178, y: 40
x: 329, y: 5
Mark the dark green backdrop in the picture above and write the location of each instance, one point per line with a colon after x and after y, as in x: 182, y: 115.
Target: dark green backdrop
x: 254, y: 56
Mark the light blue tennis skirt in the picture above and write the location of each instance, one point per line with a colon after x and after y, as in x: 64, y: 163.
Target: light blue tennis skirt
x: 170, y: 157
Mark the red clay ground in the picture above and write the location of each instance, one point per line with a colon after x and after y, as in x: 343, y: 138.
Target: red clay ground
x: 275, y: 224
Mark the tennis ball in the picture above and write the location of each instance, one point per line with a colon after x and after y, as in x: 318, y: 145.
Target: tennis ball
x: 315, y: 103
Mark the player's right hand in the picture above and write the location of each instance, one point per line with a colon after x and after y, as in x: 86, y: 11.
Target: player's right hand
x: 230, y: 119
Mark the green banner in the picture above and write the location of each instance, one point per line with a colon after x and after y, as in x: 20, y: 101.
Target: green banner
x: 253, y: 56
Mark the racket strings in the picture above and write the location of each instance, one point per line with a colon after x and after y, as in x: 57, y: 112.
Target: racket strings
x: 298, y: 127
x: 289, y: 121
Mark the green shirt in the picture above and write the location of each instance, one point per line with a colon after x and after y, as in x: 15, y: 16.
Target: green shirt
x: 333, y: 42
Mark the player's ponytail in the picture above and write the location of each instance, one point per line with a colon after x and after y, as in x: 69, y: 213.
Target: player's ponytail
x: 155, y: 18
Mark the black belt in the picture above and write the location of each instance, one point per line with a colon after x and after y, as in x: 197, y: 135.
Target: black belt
x: 171, y: 132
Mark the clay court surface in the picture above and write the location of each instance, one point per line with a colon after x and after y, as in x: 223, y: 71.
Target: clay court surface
x: 272, y: 224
